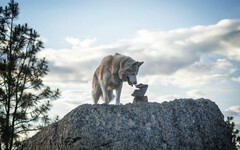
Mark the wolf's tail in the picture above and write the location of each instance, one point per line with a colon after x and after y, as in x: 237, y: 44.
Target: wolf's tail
x: 96, y: 90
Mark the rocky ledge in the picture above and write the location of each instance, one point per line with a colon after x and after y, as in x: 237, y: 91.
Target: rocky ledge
x: 182, y: 124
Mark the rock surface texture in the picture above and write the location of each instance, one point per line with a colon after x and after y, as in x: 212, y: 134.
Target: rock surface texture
x: 182, y: 124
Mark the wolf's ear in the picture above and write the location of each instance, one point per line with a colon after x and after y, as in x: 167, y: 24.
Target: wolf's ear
x: 122, y: 68
x: 140, y: 63
x: 135, y: 63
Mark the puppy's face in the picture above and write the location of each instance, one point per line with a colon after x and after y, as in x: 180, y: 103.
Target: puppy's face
x: 130, y: 71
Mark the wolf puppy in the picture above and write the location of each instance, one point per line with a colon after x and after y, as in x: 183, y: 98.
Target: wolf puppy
x: 110, y: 75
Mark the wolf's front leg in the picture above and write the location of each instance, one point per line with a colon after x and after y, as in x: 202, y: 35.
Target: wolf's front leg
x: 105, y: 93
x: 118, y: 93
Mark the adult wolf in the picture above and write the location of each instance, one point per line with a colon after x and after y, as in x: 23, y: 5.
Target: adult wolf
x: 110, y: 75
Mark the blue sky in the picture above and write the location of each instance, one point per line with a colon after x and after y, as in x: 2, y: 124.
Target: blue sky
x: 109, y: 21
x: 190, y: 47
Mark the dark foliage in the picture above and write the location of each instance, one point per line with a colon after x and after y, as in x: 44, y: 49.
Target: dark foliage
x: 235, y: 133
x: 24, y: 99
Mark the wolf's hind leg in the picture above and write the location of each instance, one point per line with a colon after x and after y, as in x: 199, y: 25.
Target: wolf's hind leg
x: 96, y: 97
x: 104, y: 93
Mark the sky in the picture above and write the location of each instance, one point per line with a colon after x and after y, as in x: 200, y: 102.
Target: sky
x: 190, y: 49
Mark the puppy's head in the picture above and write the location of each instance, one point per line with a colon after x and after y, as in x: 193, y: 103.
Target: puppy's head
x: 129, y: 72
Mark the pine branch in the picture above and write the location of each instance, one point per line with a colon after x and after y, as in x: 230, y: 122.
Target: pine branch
x: 20, y: 98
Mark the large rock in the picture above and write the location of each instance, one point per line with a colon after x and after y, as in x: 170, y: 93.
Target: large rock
x: 182, y: 124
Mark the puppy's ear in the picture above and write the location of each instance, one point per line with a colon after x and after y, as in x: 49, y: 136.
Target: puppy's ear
x: 140, y: 63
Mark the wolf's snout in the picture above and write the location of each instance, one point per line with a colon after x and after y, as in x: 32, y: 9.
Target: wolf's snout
x: 132, y: 80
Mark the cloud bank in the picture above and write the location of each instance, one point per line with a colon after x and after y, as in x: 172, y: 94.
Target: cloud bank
x: 233, y: 111
x: 186, y: 58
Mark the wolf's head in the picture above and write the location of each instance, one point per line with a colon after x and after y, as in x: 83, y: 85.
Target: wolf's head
x: 129, y: 72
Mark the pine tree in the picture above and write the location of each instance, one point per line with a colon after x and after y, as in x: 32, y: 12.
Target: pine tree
x: 235, y: 133
x: 24, y: 99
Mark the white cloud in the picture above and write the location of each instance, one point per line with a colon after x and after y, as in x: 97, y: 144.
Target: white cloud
x: 186, y: 79
x: 237, y: 125
x: 232, y: 111
x: 237, y: 79
x: 231, y: 71
x: 163, y: 52
x: 221, y: 64
x: 167, y: 98
x: 80, y: 44
x: 186, y: 58
x: 196, y: 94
